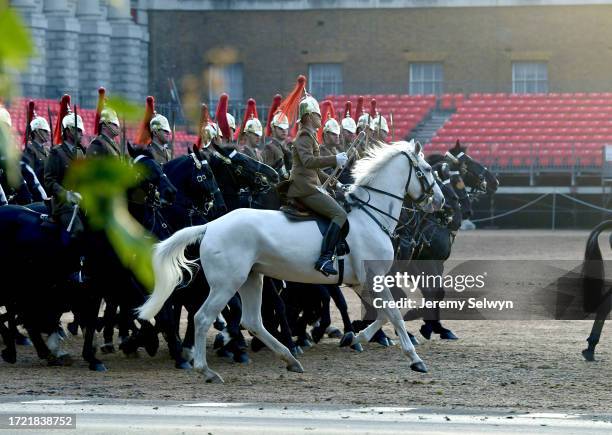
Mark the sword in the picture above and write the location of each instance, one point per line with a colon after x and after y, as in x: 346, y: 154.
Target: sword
x: 75, y: 210
x: 173, y: 129
x: 123, y: 139
x: 339, y: 169
x: 50, y: 123
x: 392, y: 129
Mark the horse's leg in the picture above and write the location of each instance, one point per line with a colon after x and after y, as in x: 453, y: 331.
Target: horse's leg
x: 89, y: 319
x: 602, y: 313
x: 250, y: 292
x: 204, y: 318
x: 431, y: 317
x: 10, y: 353
x: 395, y: 317
x: 110, y: 318
x: 324, y: 315
x: 340, y: 301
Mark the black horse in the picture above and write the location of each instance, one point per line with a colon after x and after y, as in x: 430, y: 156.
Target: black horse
x: 597, y: 297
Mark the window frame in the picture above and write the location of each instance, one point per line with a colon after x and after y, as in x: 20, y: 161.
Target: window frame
x: 529, y: 77
x: 334, y: 84
x: 418, y: 81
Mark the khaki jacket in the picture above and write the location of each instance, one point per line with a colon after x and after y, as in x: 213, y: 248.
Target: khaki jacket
x: 306, y: 173
x: 161, y: 153
x: 103, y: 146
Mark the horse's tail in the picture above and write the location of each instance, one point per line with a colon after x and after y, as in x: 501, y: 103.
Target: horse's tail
x: 169, y: 261
x: 593, y: 269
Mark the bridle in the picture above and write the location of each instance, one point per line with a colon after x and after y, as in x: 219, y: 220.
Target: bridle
x: 427, y: 191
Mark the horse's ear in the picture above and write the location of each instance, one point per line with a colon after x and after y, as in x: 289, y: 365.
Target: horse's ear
x: 131, y: 150
x: 189, y: 150
x: 418, y: 148
x: 457, y: 148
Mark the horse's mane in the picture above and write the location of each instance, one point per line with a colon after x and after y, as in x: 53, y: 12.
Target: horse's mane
x: 433, y: 159
x: 376, y: 156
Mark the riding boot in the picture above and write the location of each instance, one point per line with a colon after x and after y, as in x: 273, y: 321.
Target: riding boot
x: 325, y: 263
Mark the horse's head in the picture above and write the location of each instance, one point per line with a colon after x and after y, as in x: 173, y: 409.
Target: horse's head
x: 452, y: 212
x: 153, y: 178
x: 452, y: 179
x: 474, y: 174
x: 190, y: 173
x: 422, y: 187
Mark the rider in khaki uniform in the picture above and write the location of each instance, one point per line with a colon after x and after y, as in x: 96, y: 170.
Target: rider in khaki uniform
x: 107, y: 131
x: 155, y: 133
x: 307, y: 173
x: 274, y: 151
x: 251, y: 132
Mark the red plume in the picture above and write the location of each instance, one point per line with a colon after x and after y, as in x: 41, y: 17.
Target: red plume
x: 328, y: 112
x: 29, y: 117
x: 204, y: 119
x: 63, y: 111
x: 359, y: 109
x: 250, y: 112
x: 273, y: 107
x: 143, y: 137
x: 373, y: 112
x: 99, y: 107
x: 347, y: 109
x: 221, y: 116
x: 289, y: 106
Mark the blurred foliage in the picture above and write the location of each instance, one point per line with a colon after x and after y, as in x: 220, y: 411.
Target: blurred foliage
x: 103, y: 182
x: 126, y: 110
x: 15, y: 50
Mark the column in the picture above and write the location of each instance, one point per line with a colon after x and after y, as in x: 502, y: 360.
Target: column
x: 62, y: 60
x: 94, y: 51
x: 34, y: 79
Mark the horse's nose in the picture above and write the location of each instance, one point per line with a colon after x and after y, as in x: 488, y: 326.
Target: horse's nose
x: 438, y: 202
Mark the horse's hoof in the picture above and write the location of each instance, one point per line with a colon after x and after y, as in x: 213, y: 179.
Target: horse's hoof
x: 588, y: 354
x: 218, y: 343
x: 419, y: 367
x: 294, y: 351
x: 425, y: 331
x: 22, y: 340
x: 347, y: 340
x: 295, y: 367
x: 182, y: 365
x: 98, y: 367
x: 299, y: 350
x: 107, y: 348
x: 333, y: 332
x: 413, y: 340
x: 305, y: 343
x: 219, y: 326
x: 448, y: 335
x: 392, y: 343
x: 317, y: 334
x: 213, y: 378
x: 8, y: 356
x: 357, y: 347
x: 73, y: 328
x: 62, y: 361
x: 241, y: 358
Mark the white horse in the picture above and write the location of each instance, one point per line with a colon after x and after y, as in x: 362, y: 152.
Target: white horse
x: 240, y: 248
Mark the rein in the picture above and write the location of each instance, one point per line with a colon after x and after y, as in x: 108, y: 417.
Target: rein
x: 426, y: 189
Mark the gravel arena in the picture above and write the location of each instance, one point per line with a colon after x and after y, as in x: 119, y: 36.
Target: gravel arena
x: 501, y: 365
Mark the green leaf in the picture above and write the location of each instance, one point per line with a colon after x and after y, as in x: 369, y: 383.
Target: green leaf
x: 103, y: 182
x: 9, y: 155
x: 125, y: 109
x: 15, y: 42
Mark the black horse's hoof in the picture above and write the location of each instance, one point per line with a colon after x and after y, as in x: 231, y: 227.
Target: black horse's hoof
x: 448, y: 335
x: 73, y: 328
x: 380, y: 338
x: 107, y: 348
x: 224, y: 353
x: 129, y: 346
x: 8, y: 356
x: 219, y: 342
x: 348, y: 339
x: 357, y: 347
x: 62, y: 361
x: 426, y: 331
x: 182, y: 365
x: 304, y: 343
x: 419, y: 367
x: 98, y: 367
x: 22, y: 340
x: 317, y: 334
x: 241, y: 358
x: 588, y: 354
x: 333, y: 332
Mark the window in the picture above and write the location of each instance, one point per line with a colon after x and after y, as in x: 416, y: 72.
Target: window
x: 324, y: 79
x: 224, y: 78
x: 529, y: 77
x: 426, y: 78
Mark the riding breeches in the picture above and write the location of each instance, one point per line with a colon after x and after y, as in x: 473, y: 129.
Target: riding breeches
x: 326, y: 206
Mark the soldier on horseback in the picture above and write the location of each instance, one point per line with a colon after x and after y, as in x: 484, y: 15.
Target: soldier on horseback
x: 155, y: 133
x: 306, y: 174
x: 107, y: 129
x: 37, y: 147
x: 251, y: 131
x: 275, y: 150
x: 349, y: 128
x: 64, y: 203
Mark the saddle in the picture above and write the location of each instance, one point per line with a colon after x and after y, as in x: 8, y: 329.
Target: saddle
x: 294, y: 210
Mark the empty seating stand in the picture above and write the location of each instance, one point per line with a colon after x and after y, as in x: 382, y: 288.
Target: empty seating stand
x: 407, y: 110
x: 559, y: 130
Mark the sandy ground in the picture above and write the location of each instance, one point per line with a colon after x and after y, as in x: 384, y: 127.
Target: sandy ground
x: 506, y: 365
